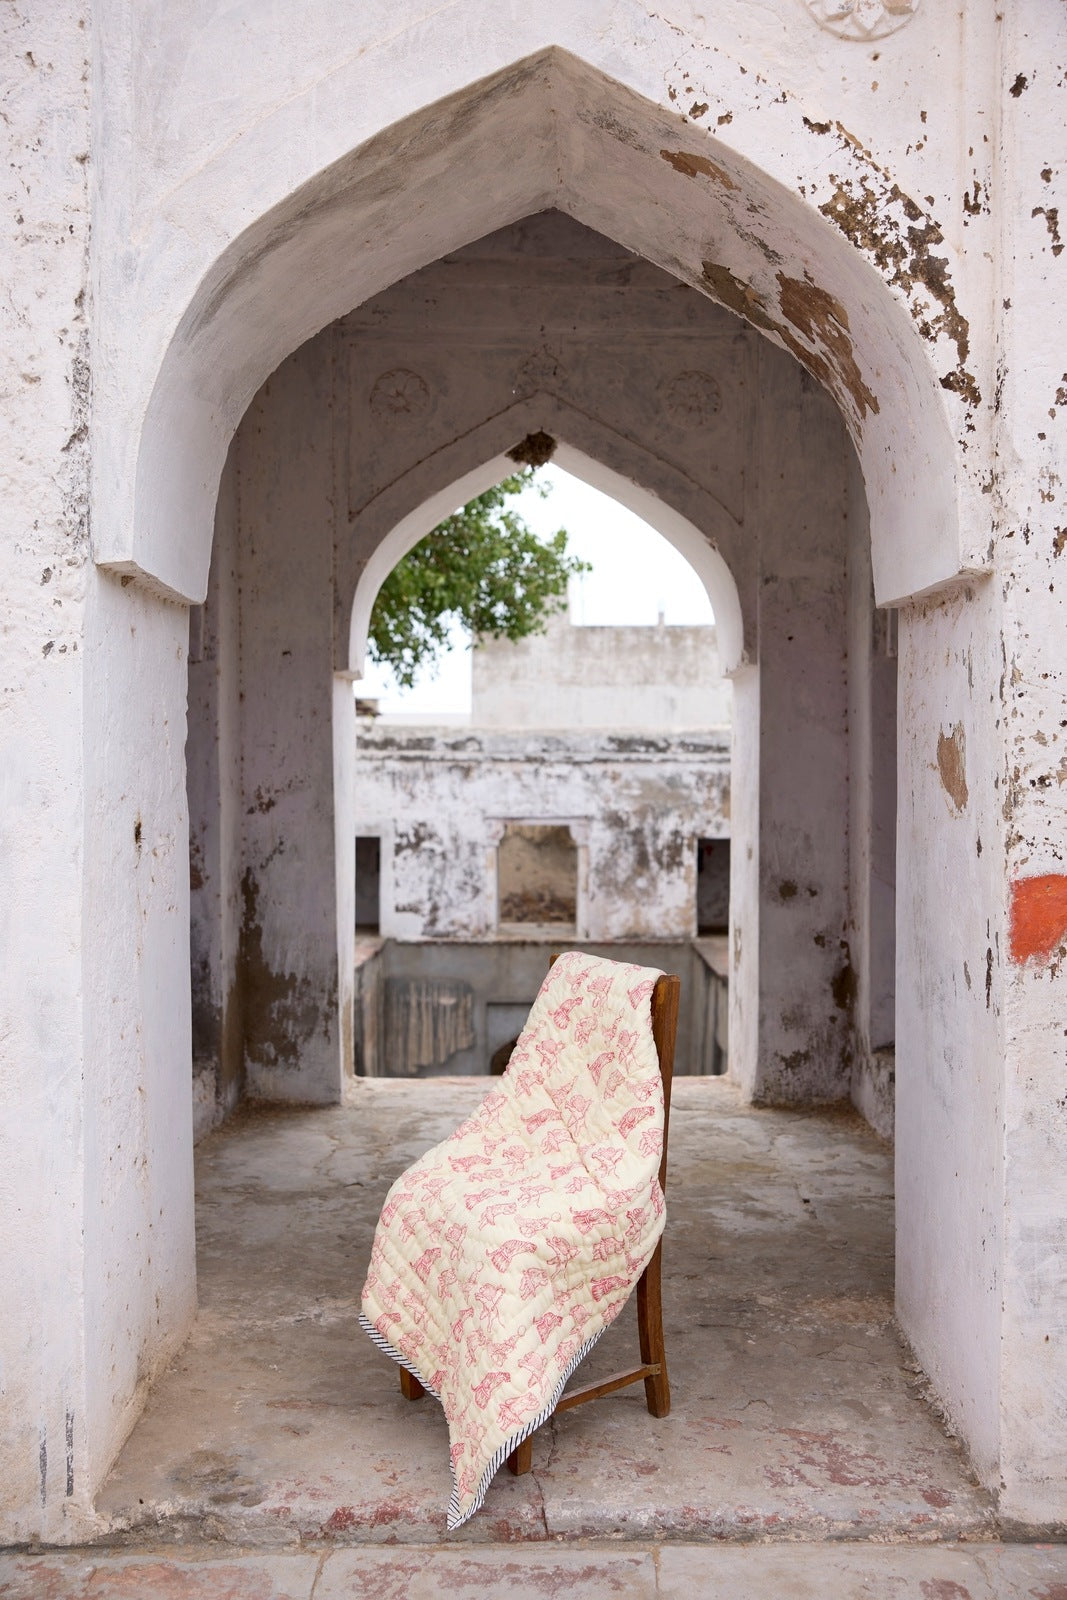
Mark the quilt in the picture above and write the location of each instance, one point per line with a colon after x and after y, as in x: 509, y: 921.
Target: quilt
x: 504, y: 1252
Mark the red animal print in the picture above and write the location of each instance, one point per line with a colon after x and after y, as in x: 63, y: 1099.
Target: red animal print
x: 553, y: 1140
x: 598, y: 990
x: 596, y: 1068
x: 484, y: 1391
x: 586, y: 1221
x: 455, y: 1234
x: 545, y: 1325
x: 633, y: 1118
x: 606, y: 1249
x: 539, y: 1119
x: 536, y: 1365
x: 467, y: 1164
x: 511, y: 1413
x: 627, y: 1046
x: 562, y: 1251
x: 549, y: 1051
x: 562, y: 1015
x: 533, y: 1280
x: 504, y: 1254
x: 577, y: 1110
x: 457, y: 1326
x: 424, y: 1265
x: 489, y: 1297
x: 641, y: 992
x: 584, y: 1030
x: 604, y: 1286
x: 606, y: 1158
x: 500, y: 1349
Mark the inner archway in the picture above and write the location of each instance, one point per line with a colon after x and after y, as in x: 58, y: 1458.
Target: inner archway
x: 179, y: 457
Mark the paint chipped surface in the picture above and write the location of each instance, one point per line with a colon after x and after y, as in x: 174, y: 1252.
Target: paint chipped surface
x: 952, y: 765
x: 690, y: 166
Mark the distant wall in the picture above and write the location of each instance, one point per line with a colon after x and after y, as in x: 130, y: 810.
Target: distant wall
x: 635, y: 804
x: 667, y: 678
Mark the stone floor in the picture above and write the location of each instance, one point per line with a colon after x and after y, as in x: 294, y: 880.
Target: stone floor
x: 633, y: 1571
x: 276, y: 1459
x: 797, y: 1413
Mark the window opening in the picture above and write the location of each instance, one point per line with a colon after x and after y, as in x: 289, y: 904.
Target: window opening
x: 713, y: 886
x: 537, y: 875
x: 368, y: 883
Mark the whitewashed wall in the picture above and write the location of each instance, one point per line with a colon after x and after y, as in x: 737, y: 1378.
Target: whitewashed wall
x: 573, y: 676
x: 888, y: 208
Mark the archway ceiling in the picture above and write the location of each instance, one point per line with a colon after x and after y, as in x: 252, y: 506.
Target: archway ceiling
x: 552, y: 132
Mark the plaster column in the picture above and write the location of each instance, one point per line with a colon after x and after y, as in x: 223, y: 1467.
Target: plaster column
x: 806, y: 977
x: 289, y: 962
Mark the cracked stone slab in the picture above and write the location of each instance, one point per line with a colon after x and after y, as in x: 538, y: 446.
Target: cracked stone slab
x: 577, y: 1571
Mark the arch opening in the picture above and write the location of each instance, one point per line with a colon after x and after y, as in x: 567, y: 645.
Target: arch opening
x: 903, y: 570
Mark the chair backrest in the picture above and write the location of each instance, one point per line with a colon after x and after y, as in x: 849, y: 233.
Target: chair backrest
x: 665, y: 998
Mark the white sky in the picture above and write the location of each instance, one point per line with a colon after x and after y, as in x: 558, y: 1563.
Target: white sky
x: 636, y: 575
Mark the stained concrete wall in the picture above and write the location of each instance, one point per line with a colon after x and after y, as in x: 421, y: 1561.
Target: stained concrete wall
x: 635, y: 803
x: 501, y: 979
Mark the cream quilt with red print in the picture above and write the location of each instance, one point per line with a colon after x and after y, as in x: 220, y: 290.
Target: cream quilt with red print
x: 504, y: 1252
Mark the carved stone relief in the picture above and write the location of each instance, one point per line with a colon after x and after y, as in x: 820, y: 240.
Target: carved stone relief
x: 690, y: 398
x: 862, y: 19
x: 400, y: 393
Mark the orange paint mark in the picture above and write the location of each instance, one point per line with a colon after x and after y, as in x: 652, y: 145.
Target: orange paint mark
x: 1038, y: 916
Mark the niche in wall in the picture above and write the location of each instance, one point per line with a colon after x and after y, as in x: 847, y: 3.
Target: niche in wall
x: 537, y: 875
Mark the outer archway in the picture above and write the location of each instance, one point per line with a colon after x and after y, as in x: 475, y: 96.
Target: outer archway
x: 775, y: 261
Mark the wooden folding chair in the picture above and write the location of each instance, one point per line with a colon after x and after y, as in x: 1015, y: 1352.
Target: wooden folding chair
x: 653, y: 1367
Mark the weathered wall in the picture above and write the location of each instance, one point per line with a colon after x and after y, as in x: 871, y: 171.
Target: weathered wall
x: 635, y: 803
x: 601, y: 677
x: 43, y: 560
x: 1030, y: 531
x: 249, y: 184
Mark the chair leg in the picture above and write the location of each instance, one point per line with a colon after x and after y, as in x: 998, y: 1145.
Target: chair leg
x: 410, y: 1387
x: 521, y: 1458
x: 650, y: 1333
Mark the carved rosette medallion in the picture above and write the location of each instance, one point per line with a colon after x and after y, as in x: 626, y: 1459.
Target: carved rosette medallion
x: 541, y: 370
x: 691, y: 398
x: 400, y: 394
x: 862, y: 19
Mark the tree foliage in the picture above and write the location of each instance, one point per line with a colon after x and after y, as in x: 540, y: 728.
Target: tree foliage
x: 483, y: 567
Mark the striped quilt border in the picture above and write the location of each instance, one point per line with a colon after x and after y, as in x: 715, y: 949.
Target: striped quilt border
x: 456, y: 1519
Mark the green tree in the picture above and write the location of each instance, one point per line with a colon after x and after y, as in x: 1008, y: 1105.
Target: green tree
x: 484, y: 567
